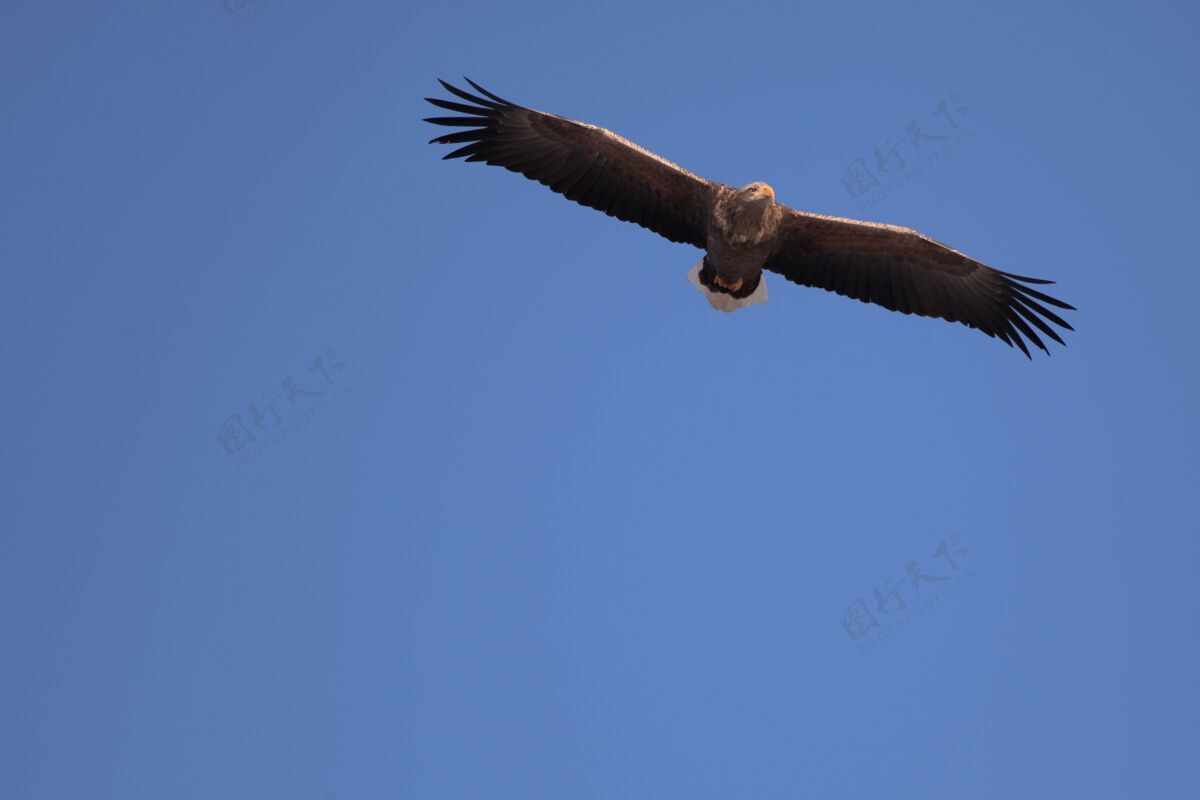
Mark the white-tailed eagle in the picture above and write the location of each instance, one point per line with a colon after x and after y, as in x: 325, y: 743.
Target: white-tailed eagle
x: 744, y: 231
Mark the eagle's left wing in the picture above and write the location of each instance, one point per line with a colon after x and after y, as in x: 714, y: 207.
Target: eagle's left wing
x: 904, y: 271
x: 587, y: 164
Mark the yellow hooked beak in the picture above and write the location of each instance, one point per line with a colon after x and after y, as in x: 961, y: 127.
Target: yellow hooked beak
x: 762, y: 188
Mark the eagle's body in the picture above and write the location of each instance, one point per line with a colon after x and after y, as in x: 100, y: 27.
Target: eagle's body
x: 741, y: 232
x: 744, y: 231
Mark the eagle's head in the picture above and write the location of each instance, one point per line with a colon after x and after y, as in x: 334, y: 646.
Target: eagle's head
x: 758, y: 191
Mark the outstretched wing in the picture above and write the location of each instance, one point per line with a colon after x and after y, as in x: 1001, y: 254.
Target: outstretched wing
x: 587, y: 164
x: 904, y: 271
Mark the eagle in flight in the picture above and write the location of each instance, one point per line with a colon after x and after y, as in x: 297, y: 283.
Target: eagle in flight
x: 744, y: 231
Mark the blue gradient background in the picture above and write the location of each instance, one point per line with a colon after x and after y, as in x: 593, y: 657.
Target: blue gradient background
x: 570, y: 533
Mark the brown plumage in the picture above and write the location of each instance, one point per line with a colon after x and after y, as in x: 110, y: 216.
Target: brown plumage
x: 744, y: 230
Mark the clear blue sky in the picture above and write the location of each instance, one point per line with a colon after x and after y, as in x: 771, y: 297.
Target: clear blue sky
x: 551, y: 527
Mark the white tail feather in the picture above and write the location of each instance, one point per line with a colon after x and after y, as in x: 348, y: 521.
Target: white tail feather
x: 727, y: 302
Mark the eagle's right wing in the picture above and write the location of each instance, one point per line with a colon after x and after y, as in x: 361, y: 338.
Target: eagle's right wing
x: 901, y: 270
x: 587, y: 164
